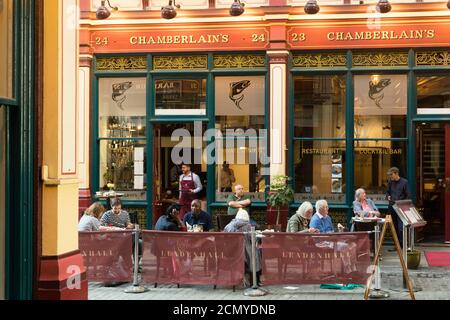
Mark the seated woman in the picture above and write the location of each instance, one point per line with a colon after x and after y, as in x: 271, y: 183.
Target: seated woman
x: 242, y: 224
x: 300, y: 220
x: 364, y: 207
x: 90, y: 221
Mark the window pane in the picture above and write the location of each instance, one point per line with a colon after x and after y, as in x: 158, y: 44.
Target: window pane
x: 433, y: 92
x: 6, y: 49
x: 123, y: 167
x: 372, y: 161
x: 319, y: 171
x: 239, y: 163
x: 180, y: 96
x: 380, y: 106
x: 122, y: 107
x: 319, y: 100
x: 240, y: 117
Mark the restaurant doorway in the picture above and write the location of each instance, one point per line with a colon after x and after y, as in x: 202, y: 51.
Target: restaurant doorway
x: 173, y: 144
x: 433, y: 178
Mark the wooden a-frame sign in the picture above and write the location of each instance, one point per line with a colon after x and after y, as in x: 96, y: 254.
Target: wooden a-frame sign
x: 388, y: 222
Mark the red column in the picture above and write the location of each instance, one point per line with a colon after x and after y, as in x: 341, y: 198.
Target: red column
x: 62, y: 278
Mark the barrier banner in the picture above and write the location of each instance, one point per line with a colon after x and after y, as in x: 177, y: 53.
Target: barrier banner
x: 107, y: 255
x: 293, y: 258
x: 193, y: 258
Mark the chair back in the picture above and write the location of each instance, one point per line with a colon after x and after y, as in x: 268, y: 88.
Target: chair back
x: 223, y: 220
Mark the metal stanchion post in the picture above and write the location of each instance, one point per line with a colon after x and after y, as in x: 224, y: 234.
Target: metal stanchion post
x: 136, y: 287
x: 254, y: 291
x: 377, y: 293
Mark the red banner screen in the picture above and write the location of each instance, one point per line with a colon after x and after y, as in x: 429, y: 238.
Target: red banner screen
x: 107, y: 255
x: 289, y: 258
x: 193, y: 258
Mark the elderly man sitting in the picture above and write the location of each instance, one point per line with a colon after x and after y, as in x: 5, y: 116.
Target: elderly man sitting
x: 321, y: 220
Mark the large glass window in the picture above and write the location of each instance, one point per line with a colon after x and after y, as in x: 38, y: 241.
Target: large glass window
x: 433, y: 92
x: 180, y: 97
x: 122, y: 133
x: 319, y: 100
x: 319, y: 170
x: 6, y: 49
x: 319, y: 133
x: 380, y: 112
x: 373, y: 158
x: 240, y: 135
x: 122, y: 167
x: 122, y: 104
x: 380, y: 106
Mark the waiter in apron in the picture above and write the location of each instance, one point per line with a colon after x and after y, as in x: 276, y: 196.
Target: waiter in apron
x: 190, y: 186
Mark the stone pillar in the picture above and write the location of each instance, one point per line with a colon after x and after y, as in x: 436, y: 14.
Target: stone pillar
x: 84, y: 121
x: 278, y: 60
x: 61, y: 273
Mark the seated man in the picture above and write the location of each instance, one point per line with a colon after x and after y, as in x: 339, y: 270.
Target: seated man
x: 238, y: 200
x: 170, y: 220
x: 198, y: 217
x: 321, y: 220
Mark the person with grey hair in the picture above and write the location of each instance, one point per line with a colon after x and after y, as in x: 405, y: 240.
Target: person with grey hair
x: 300, y: 220
x: 241, y: 223
x: 321, y: 220
x: 364, y: 207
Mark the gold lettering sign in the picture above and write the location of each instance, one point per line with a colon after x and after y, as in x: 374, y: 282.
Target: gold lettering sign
x: 381, y: 35
x: 318, y: 151
x: 179, y: 39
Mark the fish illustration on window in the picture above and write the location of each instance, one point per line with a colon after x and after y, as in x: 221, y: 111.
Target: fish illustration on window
x: 236, y: 91
x: 375, y: 90
x: 119, y: 90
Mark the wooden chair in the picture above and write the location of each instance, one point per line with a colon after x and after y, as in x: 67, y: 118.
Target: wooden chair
x: 223, y: 220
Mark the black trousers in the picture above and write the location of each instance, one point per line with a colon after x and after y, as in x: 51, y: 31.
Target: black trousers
x: 398, y: 224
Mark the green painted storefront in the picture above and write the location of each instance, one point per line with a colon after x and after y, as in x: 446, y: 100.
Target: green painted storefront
x: 348, y: 65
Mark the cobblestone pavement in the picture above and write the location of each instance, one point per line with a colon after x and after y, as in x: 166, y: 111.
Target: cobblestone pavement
x: 434, y: 283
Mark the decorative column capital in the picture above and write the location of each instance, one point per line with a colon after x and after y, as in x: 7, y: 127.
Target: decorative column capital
x: 278, y: 56
x: 86, y: 60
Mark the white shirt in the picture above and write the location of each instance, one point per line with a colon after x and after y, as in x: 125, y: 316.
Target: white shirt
x: 196, y: 178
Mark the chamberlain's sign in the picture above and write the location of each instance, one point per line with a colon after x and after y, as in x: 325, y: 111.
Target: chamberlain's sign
x: 302, y: 37
x: 187, y: 39
x: 368, y: 36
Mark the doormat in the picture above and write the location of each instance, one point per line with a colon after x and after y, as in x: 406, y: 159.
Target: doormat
x: 438, y: 259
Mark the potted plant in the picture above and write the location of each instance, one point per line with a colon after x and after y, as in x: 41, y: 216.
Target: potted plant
x: 413, y: 259
x: 280, y: 194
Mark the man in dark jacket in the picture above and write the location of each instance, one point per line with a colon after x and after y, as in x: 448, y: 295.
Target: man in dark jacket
x: 398, y: 189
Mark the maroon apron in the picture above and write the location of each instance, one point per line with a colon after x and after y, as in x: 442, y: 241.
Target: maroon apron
x: 186, y: 197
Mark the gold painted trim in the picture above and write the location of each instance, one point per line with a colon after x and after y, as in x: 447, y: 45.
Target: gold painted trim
x: 321, y: 60
x: 240, y: 61
x: 121, y: 63
x: 433, y: 58
x: 199, y: 62
x: 380, y: 59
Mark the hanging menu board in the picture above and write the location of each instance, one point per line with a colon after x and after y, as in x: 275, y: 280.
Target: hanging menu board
x: 408, y: 213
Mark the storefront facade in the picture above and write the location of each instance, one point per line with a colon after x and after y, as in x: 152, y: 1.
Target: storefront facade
x: 332, y: 100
